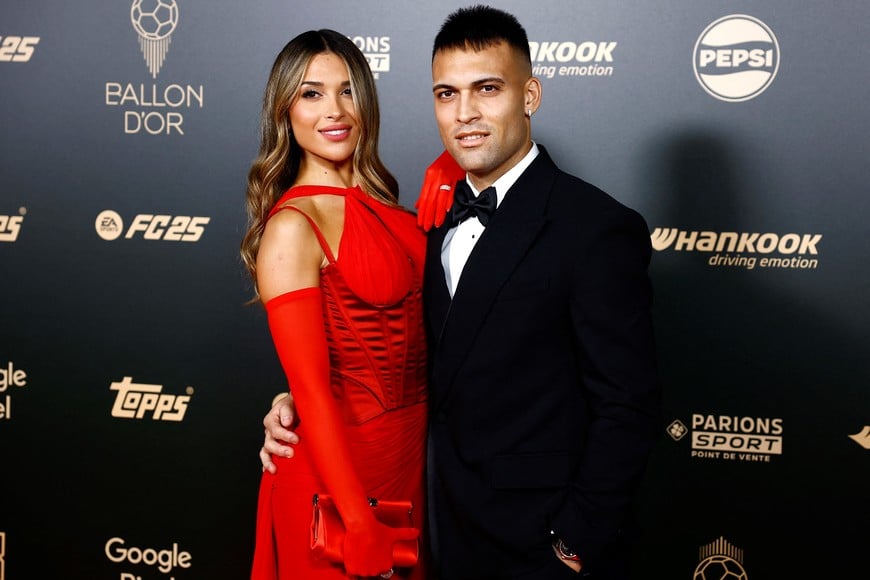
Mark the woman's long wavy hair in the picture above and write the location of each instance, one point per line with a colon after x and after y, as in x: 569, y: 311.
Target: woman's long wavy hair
x: 277, y: 163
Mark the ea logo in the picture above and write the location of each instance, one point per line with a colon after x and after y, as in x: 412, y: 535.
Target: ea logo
x: 109, y: 225
x: 736, y: 58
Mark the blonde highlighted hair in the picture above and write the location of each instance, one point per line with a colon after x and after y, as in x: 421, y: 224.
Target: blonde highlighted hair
x: 277, y: 163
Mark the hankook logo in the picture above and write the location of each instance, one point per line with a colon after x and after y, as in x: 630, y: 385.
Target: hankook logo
x: 742, y: 249
x: 564, y: 58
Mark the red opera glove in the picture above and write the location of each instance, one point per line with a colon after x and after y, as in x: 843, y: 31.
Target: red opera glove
x: 364, y: 547
x: 297, y: 326
x: 436, y: 194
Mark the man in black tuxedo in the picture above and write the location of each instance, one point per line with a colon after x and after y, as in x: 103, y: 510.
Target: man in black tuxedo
x: 544, y: 396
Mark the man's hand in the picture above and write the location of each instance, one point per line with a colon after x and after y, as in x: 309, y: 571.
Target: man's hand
x: 278, y: 439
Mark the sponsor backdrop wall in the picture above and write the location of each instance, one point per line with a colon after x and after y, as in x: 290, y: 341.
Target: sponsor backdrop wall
x: 133, y: 379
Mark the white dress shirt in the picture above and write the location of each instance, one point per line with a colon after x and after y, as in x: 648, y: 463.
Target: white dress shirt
x: 460, y: 240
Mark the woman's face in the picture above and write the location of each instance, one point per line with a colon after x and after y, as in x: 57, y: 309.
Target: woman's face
x: 323, y: 116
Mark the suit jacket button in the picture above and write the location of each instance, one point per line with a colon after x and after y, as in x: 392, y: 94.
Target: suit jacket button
x: 441, y: 417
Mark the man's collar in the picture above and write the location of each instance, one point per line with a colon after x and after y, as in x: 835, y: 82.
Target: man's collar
x: 506, y: 181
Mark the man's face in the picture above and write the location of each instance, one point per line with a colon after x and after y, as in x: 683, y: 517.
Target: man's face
x: 481, y: 99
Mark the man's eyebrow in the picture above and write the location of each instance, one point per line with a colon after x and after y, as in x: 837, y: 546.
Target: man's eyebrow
x: 477, y: 83
x: 488, y: 81
x: 442, y: 86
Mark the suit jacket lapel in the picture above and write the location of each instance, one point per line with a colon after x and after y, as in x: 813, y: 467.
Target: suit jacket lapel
x: 436, y: 296
x: 511, y: 231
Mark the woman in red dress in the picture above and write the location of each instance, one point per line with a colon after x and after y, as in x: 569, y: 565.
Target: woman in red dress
x: 338, y: 265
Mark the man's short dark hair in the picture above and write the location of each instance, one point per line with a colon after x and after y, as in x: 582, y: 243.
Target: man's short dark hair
x: 479, y: 27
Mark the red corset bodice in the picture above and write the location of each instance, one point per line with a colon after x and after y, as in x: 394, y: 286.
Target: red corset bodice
x: 372, y: 305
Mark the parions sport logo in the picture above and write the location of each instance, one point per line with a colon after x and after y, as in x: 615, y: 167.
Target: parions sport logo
x: 743, y: 249
x: 376, y: 49
x: 587, y: 58
x: 731, y: 438
x: 155, y: 108
x: 736, y: 58
x: 154, y: 227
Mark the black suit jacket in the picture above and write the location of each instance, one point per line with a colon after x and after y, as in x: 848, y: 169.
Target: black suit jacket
x: 544, y: 396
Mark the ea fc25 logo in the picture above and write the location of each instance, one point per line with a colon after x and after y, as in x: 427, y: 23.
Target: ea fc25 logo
x: 17, y: 48
x: 136, y: 400
x: 10, y: 225
x: 179, y: 228
x: 736, y: 58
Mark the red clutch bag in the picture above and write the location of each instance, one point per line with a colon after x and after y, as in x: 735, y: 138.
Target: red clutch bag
x: 327, y: 529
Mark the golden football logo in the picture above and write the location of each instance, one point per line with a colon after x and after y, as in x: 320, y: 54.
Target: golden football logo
x: 720, y: 561
x: 154, y: 21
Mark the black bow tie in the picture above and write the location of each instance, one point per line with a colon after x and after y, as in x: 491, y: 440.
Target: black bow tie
x: 465, y: 205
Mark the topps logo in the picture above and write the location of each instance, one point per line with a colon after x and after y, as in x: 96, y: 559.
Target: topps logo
x: 136, y: 400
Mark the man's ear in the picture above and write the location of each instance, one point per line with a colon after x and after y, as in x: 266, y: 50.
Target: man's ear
x: 533, y: 90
